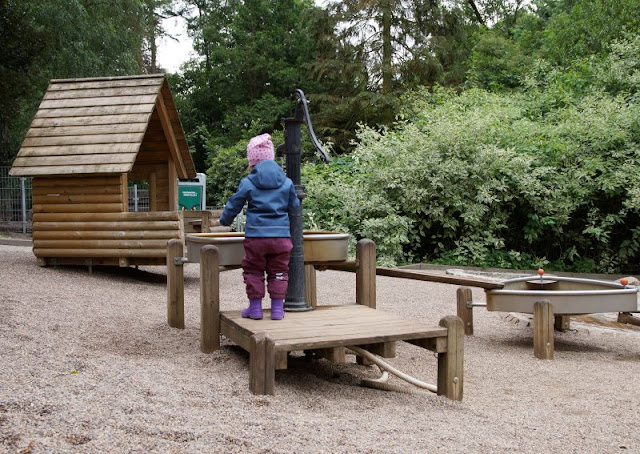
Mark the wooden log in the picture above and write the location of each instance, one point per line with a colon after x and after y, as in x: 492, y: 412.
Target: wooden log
x: 262, y: 364
x: 543, y: 347
x: 209, y: 299
x: 92, y: 244
x: 77, y: 208
x: 451, y: 363
x: 175, y: 285
x: 138, y: 216
x: 105, y: 235
x: 257, y: 363
x: 80, y: 190
x: 464, y: 296
x: 76, y: 199
x: 310, y: 286
x: 155, y: 225
x: 366, y: 273
x: 57, y: 252
x: 68, y: 181
x: 562, y: 322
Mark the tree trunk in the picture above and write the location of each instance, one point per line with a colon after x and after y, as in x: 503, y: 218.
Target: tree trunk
x: 387, y: 73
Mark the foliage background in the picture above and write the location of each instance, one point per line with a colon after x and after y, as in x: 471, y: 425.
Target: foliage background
x: 489, y: 132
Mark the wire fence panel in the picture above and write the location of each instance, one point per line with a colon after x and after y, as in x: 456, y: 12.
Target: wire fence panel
x: 15, y: 202
x: 138, y: 199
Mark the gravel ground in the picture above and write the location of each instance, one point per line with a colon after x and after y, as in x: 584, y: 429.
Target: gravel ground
x: 89, y: 364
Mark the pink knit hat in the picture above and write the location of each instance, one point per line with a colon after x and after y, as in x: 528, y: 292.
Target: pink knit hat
x: 260, y: 149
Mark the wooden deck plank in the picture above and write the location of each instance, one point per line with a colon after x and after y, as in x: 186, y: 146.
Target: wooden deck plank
x: 327, y: 326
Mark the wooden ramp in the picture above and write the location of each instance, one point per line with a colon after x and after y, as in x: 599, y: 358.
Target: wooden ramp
x: 328, y: 329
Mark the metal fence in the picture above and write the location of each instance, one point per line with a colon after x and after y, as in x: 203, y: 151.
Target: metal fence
x: 15, y: 202
x: 138, y: 199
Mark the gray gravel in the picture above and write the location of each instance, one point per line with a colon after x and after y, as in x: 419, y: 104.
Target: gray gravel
x: 89, y: 364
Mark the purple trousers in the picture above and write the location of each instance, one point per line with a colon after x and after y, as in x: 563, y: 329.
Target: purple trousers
x: 270, y: 256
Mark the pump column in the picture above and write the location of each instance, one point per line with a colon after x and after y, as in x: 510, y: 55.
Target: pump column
x: 294, y: 300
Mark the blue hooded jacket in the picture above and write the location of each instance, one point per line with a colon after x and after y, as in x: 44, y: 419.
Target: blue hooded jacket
x: 271, y: 197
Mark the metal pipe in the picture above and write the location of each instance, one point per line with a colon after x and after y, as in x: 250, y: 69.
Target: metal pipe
x: 619, y: 291
x: 564, y: 279
x: 383, y: 365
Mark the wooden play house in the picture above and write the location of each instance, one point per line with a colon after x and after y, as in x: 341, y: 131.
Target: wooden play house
x: 88, y: 140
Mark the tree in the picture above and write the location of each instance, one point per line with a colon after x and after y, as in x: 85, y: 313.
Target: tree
x: 60, y: 39
x: 253, y: 55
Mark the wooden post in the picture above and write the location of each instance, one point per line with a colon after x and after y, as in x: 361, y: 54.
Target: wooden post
x: 209, y: 299
x: 310, y: 289
x: 262, y: 364
x: 464, y: 296
x: 366, y: 273
x: 175, y: 285
x: 562, y: 322
x: 543, y: 329
x: 451, y: 363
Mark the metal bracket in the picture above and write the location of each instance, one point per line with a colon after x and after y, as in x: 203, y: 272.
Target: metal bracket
x: 180, y: 260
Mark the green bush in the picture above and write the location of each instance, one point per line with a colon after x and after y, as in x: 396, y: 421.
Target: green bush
x: 548, y: 176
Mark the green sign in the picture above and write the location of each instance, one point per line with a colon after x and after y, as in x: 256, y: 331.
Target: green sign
x: 190, y: 197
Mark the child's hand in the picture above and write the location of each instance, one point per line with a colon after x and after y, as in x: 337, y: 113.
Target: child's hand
x: 216, y: 223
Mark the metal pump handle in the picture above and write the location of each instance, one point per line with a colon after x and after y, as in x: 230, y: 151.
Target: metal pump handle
x: 304, y: 112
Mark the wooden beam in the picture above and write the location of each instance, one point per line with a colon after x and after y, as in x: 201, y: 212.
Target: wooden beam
x: 543, y: 330
x: 209, y: 299
x: 171, y: 137
x: 464, y: 296
x: 175, y: 285
x: 434, y: 277
x: 451, y: 363
x: 366, y: 273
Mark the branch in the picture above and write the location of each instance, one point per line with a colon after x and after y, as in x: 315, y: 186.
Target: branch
x: 473, y: 6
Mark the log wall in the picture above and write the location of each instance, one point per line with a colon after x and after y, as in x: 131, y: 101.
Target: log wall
x: 83, y: 220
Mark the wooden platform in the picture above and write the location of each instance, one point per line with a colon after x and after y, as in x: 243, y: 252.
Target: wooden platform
x: 328, y: 329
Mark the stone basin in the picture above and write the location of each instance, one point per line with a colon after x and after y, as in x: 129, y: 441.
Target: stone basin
x: 319, y: 246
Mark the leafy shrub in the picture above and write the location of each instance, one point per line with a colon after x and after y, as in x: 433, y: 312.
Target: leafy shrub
x: 510, y: 179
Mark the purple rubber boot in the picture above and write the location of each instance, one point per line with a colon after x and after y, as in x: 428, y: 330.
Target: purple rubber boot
x: 277, y: 309
x: 254, y: 311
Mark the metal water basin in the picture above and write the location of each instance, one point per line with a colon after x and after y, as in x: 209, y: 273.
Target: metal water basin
x: 570, y: 296
x: 319, y: 246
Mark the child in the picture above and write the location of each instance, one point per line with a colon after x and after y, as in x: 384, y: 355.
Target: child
x: 271, y: 196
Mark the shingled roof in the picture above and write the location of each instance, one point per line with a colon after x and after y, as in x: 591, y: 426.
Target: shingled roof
x: 97, y: 125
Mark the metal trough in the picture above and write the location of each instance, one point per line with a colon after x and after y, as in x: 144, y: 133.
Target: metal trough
x: 569, y: 296
x: 318, y: 246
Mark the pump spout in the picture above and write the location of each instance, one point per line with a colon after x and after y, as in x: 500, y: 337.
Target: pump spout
x: 302, y: 114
